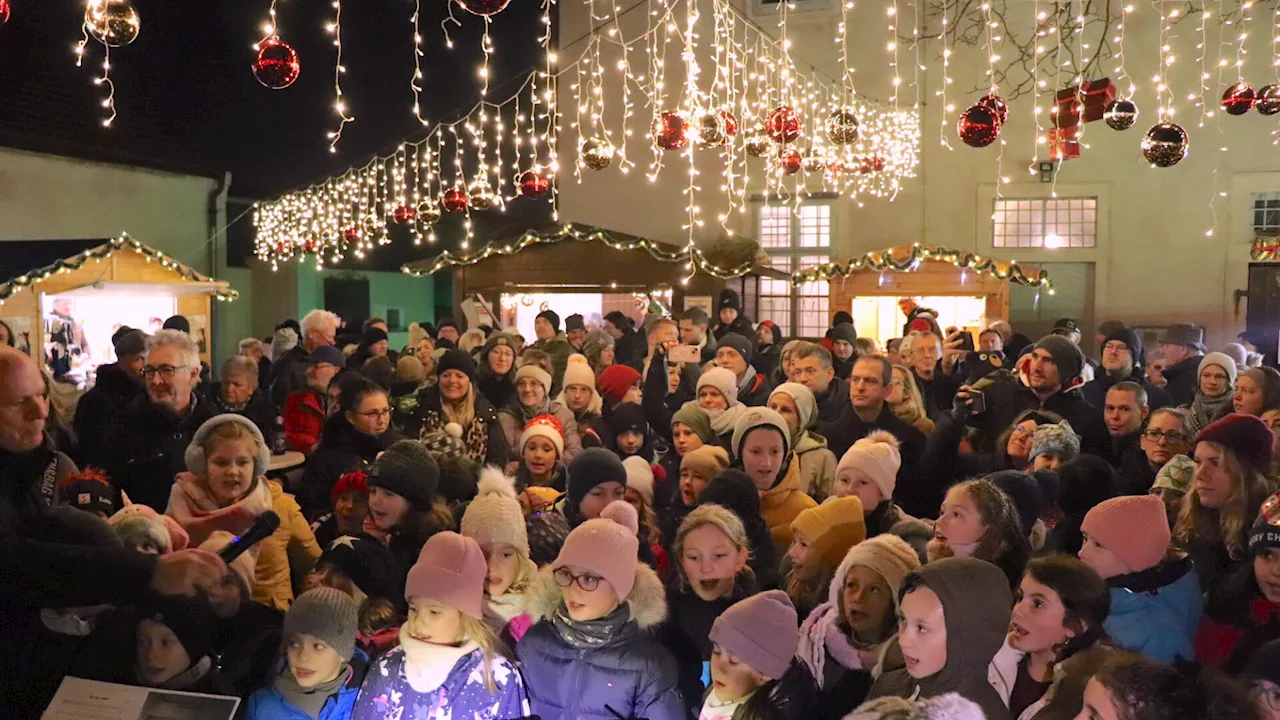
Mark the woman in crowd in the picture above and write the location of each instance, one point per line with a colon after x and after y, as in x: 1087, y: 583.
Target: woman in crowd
x: 1234, y: 457
x: 1214, y: 393
x: 1058, y: 613
x: 1243, y: 611
x: 455, y: 399
x: 820, y: 537
x: 1257, y: 391
x: 495, y: 374
x: 598, y: 348
x: 354, y: 435
x: 796, y: 404
x: 733, y: 489
x: 589, y: 654
x: 582, y: 399
x: 697, y: 467
x: 541, y: 447
x: 869, y: 472
x: 239, y: 393
x: 403, y: 502
x: 533, y: 398
x: 906, y: 401
x: 846, y: 640
x: 761, y: 447
x: 495, y: 521
x: 978, y: 520
x: 225, y: 488
x: 1167, y: 433
x: 1131, y: 687
x: 717, y: 394
x: 449, y: 663
x: 954, y: 618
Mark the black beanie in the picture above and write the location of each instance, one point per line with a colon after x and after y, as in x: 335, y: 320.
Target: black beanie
x: 733, y: 489
x: 728, y: 299
x: 190, y: 619
x: 455, y: 359
x: 408, y: 470
x: 1130, y: 338
x: 1083, y: 483
x: 841, y: 318
x: 1265, y: 533
x: 628, y: 417
x: 178, y: 322
x: 1024, y: 491
x: 593, y: 466
x: 367, y: 562
x: 1066, y: 355
x: 738, y: 344
x: 374, y: 335
x: 574, y: 322
x: 551, y: 317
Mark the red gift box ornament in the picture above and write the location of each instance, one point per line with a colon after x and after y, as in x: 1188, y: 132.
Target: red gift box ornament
x: 1085, y: 103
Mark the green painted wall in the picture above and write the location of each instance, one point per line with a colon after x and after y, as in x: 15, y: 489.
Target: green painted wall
x: 415, y: 297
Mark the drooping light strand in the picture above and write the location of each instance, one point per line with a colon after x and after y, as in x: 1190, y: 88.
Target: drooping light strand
x: 947, y: 108
x: 1037, y: 52
x: 339, y: 105
x: 417, y: 62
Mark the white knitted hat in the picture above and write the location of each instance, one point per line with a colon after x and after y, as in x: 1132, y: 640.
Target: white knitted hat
x: 495, y: 515
x: 721, y: 380
x: 537, y: 373
x: 640, y: 476
x: 876, y: 455
x: 578, y: 372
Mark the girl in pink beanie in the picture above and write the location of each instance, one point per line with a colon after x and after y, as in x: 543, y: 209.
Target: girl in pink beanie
x: 869, y: 471
x: 449, y: 663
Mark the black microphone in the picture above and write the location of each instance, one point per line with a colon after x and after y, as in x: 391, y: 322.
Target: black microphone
x: 261, y: 529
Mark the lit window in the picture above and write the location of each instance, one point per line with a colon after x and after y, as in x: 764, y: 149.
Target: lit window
x: 794, y: 239
x: 1056, y: 223
x: 1266, y: 213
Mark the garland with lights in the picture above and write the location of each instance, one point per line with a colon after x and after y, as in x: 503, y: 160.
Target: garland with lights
x: 102, y: 252
x: 580, y: 233
x: 883, y: 260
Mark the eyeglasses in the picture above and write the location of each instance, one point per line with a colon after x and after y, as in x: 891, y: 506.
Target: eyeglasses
x: 1019, y: 431
x: 165, y: 371
x: 376, y: 414
x: 1115, y: 345
x: 587, y: 581
x: 1173, y: 437
x: 1269, y: 694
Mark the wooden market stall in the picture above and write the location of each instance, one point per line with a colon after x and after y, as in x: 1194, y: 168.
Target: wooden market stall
x: 69, y: 308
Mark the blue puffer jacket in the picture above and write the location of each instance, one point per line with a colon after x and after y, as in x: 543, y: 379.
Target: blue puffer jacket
x: 632, y: 673
x: 1156, y: 612
x: 269, y: 704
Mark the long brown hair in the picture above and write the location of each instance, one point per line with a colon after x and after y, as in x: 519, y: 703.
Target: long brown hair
x: 1230, y: 524
x: 1002, y: 542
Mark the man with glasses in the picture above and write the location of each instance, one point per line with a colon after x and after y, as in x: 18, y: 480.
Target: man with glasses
x: 1165, y: 435
x: 812, y: 367
x: 144, y: 453
x: 1121, y: 361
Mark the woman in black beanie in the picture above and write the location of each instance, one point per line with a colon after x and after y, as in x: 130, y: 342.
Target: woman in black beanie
x: 456, y: 400
x: 734, y: 490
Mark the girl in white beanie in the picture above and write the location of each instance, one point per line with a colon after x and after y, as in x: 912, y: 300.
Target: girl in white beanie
x: 869, y: 470
x: 796, y: 404
x: 717, y: 394
x: 582, y: 398
x: 495, y: 521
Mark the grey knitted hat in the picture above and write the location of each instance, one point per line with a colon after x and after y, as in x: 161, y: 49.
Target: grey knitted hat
x: 408, y: 470
x: 326, y: 613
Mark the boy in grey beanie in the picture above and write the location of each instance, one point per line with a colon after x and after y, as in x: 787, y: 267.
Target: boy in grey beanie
x: 320, y: 638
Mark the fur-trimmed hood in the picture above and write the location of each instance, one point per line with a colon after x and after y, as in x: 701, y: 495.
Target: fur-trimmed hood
x: 648, y: 599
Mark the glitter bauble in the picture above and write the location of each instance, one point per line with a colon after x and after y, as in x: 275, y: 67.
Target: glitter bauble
x: 596, y: 153
x: 730, y: 122
x: 1269, y: 99
x: 484, y: 7
x: 114, y: 23
x: 711, y: 129
x: 758, y: 145
x: 481, y: 195
x: 454, y: 200
x: 277, y: 64
x: 842, y: 127
x: 1165, y: 145
x: 1239, y: 99
x: 978, y: 126
x: 789, y: 161
x: 404, y: 214
x: 533, y: 184
x: 282, y: 247
x: 428, y: 214
x: 351, y: 236
x: 312, y: 246
x: 782, y: 124
x: 4, y: 11
x: 671, y: 130
x: 997, y: 105
x: 1120, y: 114
x: 814, y: 161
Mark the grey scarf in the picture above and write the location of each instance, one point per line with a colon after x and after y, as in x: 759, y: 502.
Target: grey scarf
x: 1207, y: 409
x: 310, y: 700
x: 588, y: 634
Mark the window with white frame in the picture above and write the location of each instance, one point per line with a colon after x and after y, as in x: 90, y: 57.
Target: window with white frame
x: 795, y: 238
x: 1266, y: 213
x: 1046, y: 223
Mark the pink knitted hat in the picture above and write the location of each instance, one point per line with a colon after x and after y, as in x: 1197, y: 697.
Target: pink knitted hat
x: 606, y: 548
x: 450, y: 570
x: 1134, y: 528
x: 761, y: 631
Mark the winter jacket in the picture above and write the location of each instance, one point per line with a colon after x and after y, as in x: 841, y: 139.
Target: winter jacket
x: 101, y: 408
x: 817, y: 465
x: 500, y: 391
x: 269, y: 704
x: 851, y: 427
x: 483, y: 437
x: 686, y: 632
x: 291, y: 543
x: 755, y: 389
x: 1237, y: 620
x: 1006, y: 398
x: 1134, y: 474
x: 247, y: 646
x: 659, y: 405
x: 629, y: 676
x: 767, y: 359
x: 1183, y: 380
x: 289, y: 374
x: 781, y: 504
x: 629, y: 349
x: 1155, y: 612
x: 341, y: 449
x: 258, y: 410
x: 386, y: 692
x: 938, y: 392
x: 831, y: 405
x: 304, y: 416
x: 511, y: 420
x: 1095, y: 391
x: 559, y: 349
x: 1065, y: 696
x: 741, y: 325
x: 146, y: 450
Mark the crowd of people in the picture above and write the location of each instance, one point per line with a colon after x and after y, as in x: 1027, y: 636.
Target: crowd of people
x: 683, y: 518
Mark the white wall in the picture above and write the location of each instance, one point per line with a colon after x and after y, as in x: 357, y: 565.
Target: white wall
x: 1153, y: 261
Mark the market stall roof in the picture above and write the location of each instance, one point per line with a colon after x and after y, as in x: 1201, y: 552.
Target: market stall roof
x: 907, y: 258
x: 185, y: 279
x: 725, y: 257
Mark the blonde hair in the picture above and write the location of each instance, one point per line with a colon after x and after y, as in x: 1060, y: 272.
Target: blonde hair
x: 911, y: 408
x: 1230, y: 524
x: 717, y: 516
x: 230, y: 431
x: 463, y: 412
x: 475, y: 630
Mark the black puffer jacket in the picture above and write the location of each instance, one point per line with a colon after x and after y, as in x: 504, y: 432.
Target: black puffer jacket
x: 102, y: 407
x: 1183, y: 380
x: 341, y: 449
x: 688, y: 627
x: 147, y: 449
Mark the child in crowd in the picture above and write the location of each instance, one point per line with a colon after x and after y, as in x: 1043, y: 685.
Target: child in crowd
x: 1131, y: 687
x: 541, y: 450
x: 449, y: 663
x: 1172, y: 483
x: 696, y: 469
x: 362, y: 567
x: 319, y: 680
x: 225, y: 488
x: 596, y: 478
x: 1243, y: 611
x: 796, y: 404
x: 350, y: 509
x: 403, y: 501
x: 639, y: 493
x: 754, y: 669
x: 733, y: 490
x: 582, y: 398
x: 174, y: 648
x: 845, y: 640
x: 630, y: 432
x: 590, y: 653
x: 143, y: 529
x: 761, y: 446
x: 1052, y: 445
x: 1155, y: 596
x: 690, y: 431
x: 820, y: 537
x: 869, y: 472
x: 978, y: 520
x: 496, y: 522
x: 1082, y: 483
x: 954, y: 617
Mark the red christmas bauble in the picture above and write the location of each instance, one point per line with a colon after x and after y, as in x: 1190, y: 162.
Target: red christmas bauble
x: 671, y: 131
x: 277, y: 65
x: 782, y: 124
x: 978, y: 126
x: 312, y: 245
x: 534, y: 184
x: 730, y: 122
x: 1239, y: 98
x: 404, y: 214
x: 282, y: 247
x: 454, y: 200
x: 484, y: 7
x: 351, y: 236
x: 4, y: 11
x: 997, y: 105
x: 789, y: 161
x: 835, y: 168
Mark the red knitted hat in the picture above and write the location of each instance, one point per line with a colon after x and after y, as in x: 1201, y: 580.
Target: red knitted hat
x: 615, y: 380
x: 1135, y: 528
x: 356, y: 480
x: 1245, y: 435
